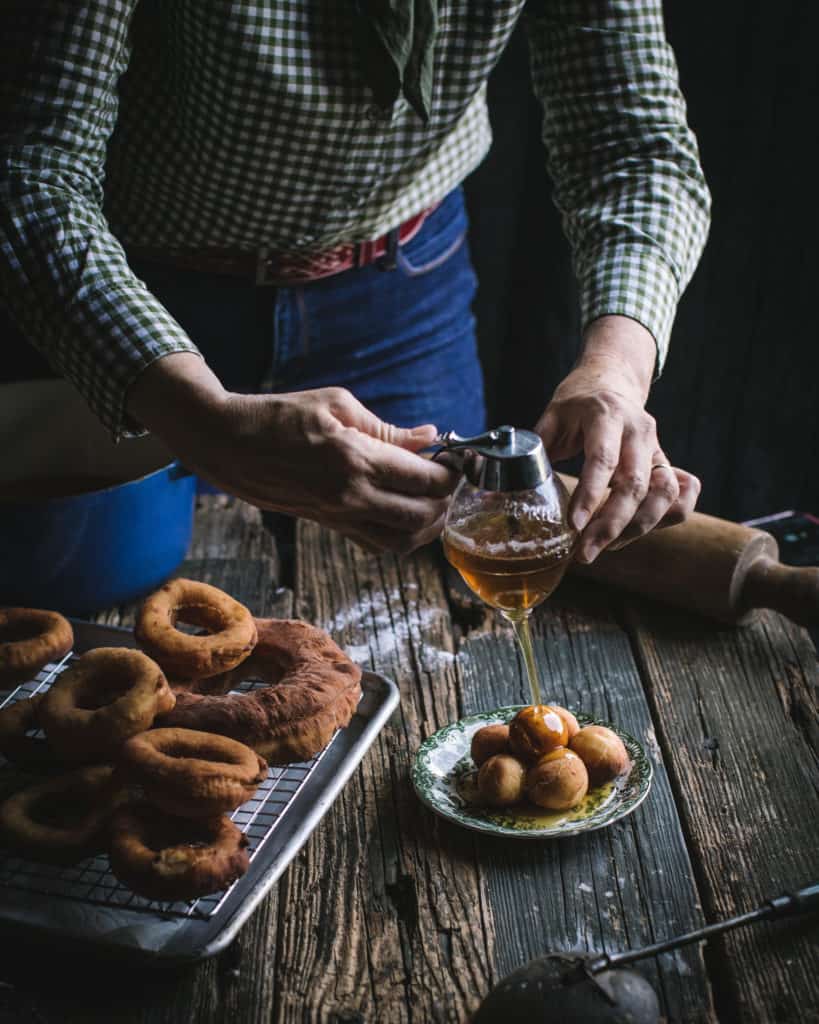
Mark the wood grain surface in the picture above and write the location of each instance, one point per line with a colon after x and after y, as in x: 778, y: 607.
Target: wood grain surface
x: 386, y: 916
x: 736, y: 713
x: 391, y: 914
x: 627, y: 885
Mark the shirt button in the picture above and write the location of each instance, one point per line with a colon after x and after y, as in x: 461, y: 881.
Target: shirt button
x: 375, y: 113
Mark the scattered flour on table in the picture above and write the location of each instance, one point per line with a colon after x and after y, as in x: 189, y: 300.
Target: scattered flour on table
x: 381, y: 630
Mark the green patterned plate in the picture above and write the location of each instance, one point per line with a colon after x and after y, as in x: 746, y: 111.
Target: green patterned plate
x: 443, y: 775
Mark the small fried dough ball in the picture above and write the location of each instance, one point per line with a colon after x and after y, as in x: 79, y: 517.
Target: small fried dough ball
x: 488, y: 741
x: 602, y: 751
x: 502, y: 780
x: 536, y: 730
x: 572, y: 725
x: 558, y: 781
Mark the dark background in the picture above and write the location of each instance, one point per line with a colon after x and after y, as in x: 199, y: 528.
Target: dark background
x: 737, y: 401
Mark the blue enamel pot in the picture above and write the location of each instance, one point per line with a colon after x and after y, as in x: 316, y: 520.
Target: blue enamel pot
x: 84, y: 523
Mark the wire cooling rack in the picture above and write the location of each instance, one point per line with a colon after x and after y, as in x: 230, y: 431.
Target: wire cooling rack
x: 91, y: 881
x: 84, y: 906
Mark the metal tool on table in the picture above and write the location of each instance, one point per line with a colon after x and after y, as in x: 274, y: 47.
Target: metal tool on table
x: 575, y: 989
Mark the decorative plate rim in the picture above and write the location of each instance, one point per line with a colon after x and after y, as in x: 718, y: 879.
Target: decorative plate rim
x: 640, y: 777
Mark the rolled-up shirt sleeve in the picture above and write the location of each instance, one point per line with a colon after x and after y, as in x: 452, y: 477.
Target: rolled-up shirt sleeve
x: 64, y: 277
x: 628, y: 183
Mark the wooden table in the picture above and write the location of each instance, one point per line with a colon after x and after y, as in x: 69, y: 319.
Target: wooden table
x: 392, y: 914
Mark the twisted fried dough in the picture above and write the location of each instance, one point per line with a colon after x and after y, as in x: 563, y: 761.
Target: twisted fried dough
x: 103, y: 698
x: 16, y: 720
x: 63, y: 819
x: 164, y: 858
x: 312, y: 689
x: 29, y: 639
x: 192, y: 774
x: 232, y: 633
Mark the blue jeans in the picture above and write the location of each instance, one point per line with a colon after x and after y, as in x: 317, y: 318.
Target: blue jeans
x: 402, y: 341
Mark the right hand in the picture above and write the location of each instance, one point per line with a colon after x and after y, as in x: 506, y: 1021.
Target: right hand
x: 317, y: 454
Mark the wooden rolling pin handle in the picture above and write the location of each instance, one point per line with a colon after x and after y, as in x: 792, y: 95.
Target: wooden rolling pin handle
x: 793, y: 592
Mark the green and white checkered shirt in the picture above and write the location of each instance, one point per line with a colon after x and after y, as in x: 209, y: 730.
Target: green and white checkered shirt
x: 250, y: 124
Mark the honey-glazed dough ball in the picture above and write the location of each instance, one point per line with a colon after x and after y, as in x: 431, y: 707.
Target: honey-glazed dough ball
x: 572, y: 724
x: 603, y: 753
x: 558, y: 781
x: 502, y: 780
x: 488, y: 741
x: 535, y: 730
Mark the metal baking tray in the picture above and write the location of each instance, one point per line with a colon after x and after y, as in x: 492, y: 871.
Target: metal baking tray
x: 85, y: 904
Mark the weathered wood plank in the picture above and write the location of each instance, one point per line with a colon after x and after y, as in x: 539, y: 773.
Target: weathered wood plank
x: 616, y: 888
x: 384, y: 917
x: 230, y: 549
x: 737, y: 723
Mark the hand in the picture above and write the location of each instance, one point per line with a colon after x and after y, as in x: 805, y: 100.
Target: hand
x: 317, y: 454
x: 599, y: 410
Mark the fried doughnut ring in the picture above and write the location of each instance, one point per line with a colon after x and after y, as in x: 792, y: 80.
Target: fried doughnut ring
x: 61, y: 820
x: 103, y: 698
x: 313, y: 689
x: 29, y: 639
x: 181, y: 655
x: 15, y: 721
x: 165, y: 858
x: 192, y: 774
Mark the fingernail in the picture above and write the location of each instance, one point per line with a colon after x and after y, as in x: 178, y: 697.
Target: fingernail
x: 580, y: 517
x: 590, y: 553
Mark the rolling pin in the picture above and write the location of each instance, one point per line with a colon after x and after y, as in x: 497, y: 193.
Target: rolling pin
x: 721, y: 569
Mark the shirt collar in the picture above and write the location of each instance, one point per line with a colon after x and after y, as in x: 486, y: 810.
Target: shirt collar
x: 396, y: 46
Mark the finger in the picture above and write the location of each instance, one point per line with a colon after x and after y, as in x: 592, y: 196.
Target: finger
x: 602, y: 448
x: 351, y: 413
x: 559, y: 443
x: 394, y: 469
x: 378, y: 539
x: 663, y: 492
x: 548, y: 427
x: 629, y: 489
x: 401, y: 513
x: 689, y: 491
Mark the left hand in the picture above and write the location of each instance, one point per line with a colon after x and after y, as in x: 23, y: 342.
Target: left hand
x: 599, y: 410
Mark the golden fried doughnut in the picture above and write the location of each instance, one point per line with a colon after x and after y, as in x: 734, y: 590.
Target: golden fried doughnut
x: 103, y: 698
x: 232, y: 632
x: 16, y: 720
x: 192, y: 774
x: 61, y: 820
x: 164, y: 858
x: 312, y: 689
x: 29, y: 639
x: 214, y: 685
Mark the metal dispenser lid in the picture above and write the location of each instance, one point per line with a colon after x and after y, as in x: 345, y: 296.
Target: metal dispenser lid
x: 502, y: 459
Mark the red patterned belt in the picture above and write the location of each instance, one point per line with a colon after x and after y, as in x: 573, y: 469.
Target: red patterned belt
x: 264, y: 267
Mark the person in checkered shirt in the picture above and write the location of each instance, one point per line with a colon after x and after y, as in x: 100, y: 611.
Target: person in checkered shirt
x: 200, y: 201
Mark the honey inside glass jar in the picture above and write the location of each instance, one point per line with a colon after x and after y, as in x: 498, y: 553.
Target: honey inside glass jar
x: 506, y: 530
x: 512, y: 557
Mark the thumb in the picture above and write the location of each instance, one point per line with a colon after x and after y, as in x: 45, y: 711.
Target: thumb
x: 556, y: 441
x: 353, y: 414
